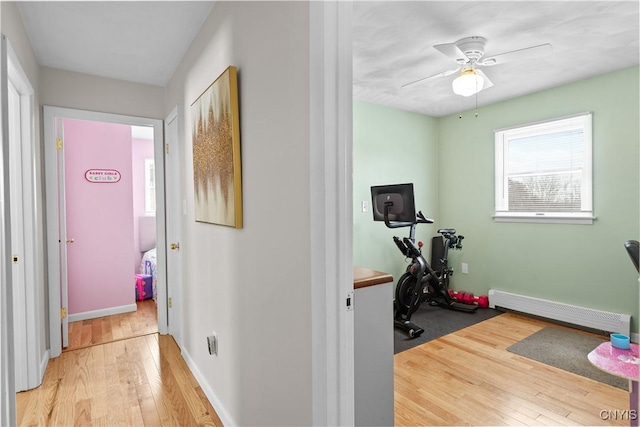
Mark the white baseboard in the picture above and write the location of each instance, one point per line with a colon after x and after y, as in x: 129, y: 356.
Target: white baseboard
x: 213, y: 399
x: 635, y: 337
x: 103, y: 312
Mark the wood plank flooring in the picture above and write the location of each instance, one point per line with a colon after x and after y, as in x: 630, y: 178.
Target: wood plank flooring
x: 86, y: 333
x: 139, y: 381
x: 468, y: 378
x: 464, y: 378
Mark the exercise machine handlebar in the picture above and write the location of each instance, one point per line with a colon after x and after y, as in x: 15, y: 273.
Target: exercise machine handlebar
x: 394, y: 224
x: 412, y: 247
x: 421, y: 219
x: 403, y: 248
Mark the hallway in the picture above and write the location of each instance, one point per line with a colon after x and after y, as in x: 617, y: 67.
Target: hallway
x: 135, y: 382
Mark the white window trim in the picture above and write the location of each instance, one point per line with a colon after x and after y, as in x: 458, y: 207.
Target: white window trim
x: 545, y: 218
x: 502, y: 136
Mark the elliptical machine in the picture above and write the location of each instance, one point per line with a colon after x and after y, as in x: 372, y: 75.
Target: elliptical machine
x: 420, y: 282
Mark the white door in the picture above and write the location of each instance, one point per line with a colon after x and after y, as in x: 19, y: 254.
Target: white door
x: 56, y: 235
x: 173, y: 208
x: 26, y: 270
x: 17, y: 238
x: 56, y: 216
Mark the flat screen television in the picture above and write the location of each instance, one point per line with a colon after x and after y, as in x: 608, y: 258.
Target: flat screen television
x: 402, y: 207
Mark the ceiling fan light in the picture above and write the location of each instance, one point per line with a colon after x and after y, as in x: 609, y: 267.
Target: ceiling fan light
x: 468, y: 83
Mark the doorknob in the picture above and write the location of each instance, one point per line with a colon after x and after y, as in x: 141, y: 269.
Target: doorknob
x: 71, y: 240
x: 175, y: 246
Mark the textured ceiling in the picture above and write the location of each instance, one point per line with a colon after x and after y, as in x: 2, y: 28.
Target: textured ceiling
x: 393, y: 45
x: 135, y: 41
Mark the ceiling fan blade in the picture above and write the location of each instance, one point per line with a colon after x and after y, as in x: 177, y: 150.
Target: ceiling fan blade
x: 487, y: 82
x: 443, y: 74
x: 517, y: 55
x: 452, y: 51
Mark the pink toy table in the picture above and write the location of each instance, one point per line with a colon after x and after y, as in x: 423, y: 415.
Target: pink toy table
x: 621, y: 363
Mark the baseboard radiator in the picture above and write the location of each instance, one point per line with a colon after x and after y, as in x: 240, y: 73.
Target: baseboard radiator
x: 576, y: 315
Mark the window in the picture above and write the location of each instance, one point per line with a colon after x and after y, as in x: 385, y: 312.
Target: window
x: 149, y: 187
x: 543, y: 172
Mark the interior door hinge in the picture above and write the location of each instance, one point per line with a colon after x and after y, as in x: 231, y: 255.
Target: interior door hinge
x: 58, y: 143
x: 170, y: 302
x: 63, y: 313
x: 166, y: 148
x: 350, y: 301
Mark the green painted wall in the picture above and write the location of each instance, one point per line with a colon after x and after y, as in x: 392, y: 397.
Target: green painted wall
x: 391, y: 147
x: 585, y: 265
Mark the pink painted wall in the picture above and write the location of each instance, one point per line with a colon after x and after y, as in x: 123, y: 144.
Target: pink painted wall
x: 142, y: 149
x: 99, y: 216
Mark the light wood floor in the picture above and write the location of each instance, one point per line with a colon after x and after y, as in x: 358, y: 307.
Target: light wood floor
x: 465, y: 378
x: 468, y: 378
x: 139, y: 381
x: 85, y: 333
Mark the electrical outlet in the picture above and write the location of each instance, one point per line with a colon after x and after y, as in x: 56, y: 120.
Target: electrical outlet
x: 212, y: 342
x: 465, y: 268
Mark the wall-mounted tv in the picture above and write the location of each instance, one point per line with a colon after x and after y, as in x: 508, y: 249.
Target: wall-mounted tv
x: 400, y: 199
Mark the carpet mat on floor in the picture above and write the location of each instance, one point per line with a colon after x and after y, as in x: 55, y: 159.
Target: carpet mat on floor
x: 566, y: 350
x: 437, y: 322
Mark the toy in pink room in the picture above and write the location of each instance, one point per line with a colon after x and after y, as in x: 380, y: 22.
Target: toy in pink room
x: 144, y: 287
x: 148, y: 263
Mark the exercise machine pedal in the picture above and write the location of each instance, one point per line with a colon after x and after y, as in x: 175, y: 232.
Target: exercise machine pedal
x: 413, y: 330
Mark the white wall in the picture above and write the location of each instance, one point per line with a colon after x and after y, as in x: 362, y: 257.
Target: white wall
x: 60, y: 88
x: 252, y: 286
x: 13, y: 28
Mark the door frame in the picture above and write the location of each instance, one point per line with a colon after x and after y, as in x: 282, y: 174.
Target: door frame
x: 50, y: 114
x: 14, y: 115
x: 28, y: 318
x: 331, y: 193
x: 7, y: 366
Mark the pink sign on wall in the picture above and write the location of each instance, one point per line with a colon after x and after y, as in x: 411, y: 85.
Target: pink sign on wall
x: 105, y: 176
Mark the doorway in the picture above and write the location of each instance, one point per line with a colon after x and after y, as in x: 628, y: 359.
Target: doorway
x: 60, y: 242
x: 109, y: 199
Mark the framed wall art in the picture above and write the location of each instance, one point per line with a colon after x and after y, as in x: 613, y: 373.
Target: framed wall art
x: 216, y: 152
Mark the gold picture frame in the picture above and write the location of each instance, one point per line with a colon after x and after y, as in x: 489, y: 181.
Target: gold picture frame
x: 215, y: 133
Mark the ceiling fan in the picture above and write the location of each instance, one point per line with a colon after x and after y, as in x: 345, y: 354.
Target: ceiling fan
x: 468, y: 53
